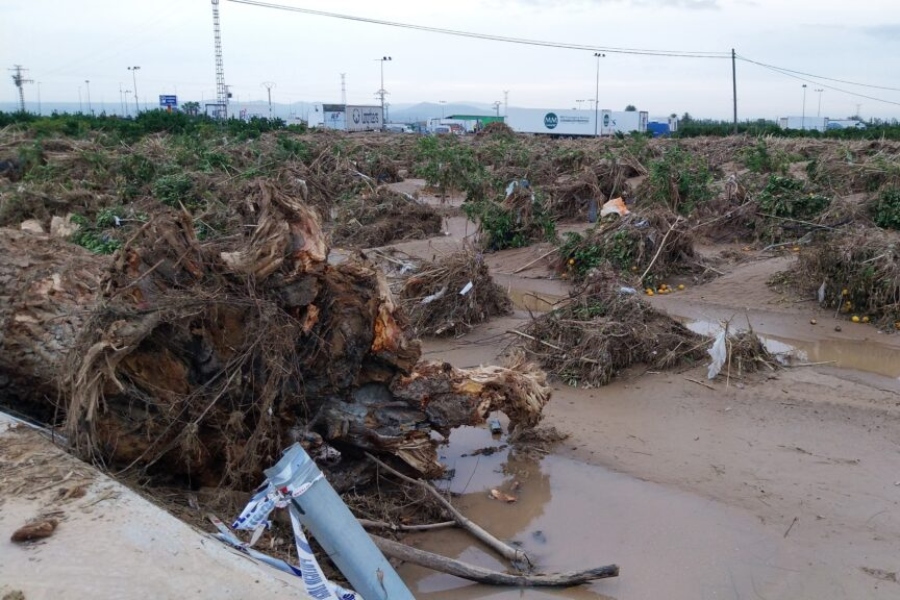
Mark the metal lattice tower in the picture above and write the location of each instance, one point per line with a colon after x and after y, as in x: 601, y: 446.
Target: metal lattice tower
x: 19, y: 80
x: 221, y: 91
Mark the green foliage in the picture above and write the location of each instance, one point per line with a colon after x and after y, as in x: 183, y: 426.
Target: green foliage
x: 445, y: 163
x: 886, y: 209
x: 680, y: 181
x: 91, y: 235
x: 759, y: 159
x: 291, y: 149
x: 786, y: 197
x: 585, y: 253
x: 175, y: 190
x: 505, y: 228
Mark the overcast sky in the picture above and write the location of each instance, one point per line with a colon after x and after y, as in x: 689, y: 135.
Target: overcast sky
x: 65, y: 42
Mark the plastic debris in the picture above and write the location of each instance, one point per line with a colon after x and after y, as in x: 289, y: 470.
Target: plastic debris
x: 719, y: 354
x: 821, y: 294
x: 466, y: 289
x: 614, y: 206
x: 435, y: 296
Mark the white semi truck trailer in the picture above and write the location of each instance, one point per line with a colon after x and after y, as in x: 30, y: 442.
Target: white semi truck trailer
x: 556, y: 122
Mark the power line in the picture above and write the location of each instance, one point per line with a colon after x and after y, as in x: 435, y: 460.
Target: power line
x: 489, y: 37
x: 782, y: 69
x: 789, y: 73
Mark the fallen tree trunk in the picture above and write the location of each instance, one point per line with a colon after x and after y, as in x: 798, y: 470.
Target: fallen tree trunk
x: 204, y: 359
x: 443, y: 564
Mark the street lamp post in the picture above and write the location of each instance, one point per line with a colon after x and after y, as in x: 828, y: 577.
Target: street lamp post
x: 803, y: 118
x: 819, y: 112
x: 598, y: 56
x: 442, y: 103
x: 134, y: 70
x: 382, y: 91
x: 87, y: 84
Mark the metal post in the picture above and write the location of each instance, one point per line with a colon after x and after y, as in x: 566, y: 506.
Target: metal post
x: 269, y: 85
x: 382, y: 92
x: 599, y: 55
x: 803, y: 118
x: 87, y: 84
x: 734, y: 87
x: 819, y: 111
x: 137, y: 107
x: 80, y: 109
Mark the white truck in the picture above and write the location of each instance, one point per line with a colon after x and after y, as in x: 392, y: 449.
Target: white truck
x: 803, y: 123
x: 346, y: 117
x: 556, y: 122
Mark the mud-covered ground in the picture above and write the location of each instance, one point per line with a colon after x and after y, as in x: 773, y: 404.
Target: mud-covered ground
x: 780, y: 485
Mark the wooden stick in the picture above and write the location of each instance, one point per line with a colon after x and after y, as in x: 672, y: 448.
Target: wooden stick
x: 698, y: 382
x: 481, y: 575
x: 391, y: 526
x: 516, y: 556
x: 660, y: 249
x: 537, y: 260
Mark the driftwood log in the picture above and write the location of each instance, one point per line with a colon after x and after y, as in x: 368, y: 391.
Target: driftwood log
x: 204, y: 359
x: 451, y: 566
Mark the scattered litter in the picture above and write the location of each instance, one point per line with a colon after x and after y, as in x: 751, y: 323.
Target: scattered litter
x: 466, y: 289
x: 502, y: 496
x: 616, y: 206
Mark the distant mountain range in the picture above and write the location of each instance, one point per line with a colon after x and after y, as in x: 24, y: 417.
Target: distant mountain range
x: 397, y: 113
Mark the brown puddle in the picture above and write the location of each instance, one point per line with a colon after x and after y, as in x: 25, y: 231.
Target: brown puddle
x: 571, y: 515
x: 858, y: 355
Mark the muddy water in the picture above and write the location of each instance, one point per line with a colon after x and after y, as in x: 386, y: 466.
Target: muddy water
x: 858, y: 355
x: 570, y: 515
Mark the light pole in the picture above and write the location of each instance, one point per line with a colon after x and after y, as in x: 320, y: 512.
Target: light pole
x: 803, y: 118
x: 598, y: 56
x: 126, y: 102
x: 382, y: 91
x: 269, y: 85
x: 87, y: 85
x: 134, y: 70
x: 442, y: 103
x: 819, y: 112
x: 497, y: 107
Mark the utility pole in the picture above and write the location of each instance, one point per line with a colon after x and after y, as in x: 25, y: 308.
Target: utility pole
x: 734, y: 86
x: 137, y: 106
x: 39, y: 98
x: 126, y: 102
x: 269, y: 85
x: 803, y: 118
x: 505, y: 103
x: 19, y: 80
x: 87, y: 83
x: 819, y: 112
x: 80, y: 107
x: 382, y: 91
x: 598, y: 55
x: 221, y: 90
x: 497, y: 107
x: 344, y: 89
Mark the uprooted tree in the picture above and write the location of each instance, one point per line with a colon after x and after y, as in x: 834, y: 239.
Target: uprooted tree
x: 204, y: 359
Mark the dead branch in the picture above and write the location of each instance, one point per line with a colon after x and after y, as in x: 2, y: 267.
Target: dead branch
x: 481, y: 575
x: 514, y: 555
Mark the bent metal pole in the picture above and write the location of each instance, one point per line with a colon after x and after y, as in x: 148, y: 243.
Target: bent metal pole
x: 324, y: 514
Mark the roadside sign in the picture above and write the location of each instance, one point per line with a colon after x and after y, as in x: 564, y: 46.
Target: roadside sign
x: 168, y: 101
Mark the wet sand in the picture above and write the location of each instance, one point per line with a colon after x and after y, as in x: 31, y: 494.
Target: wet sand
x: 782, y: 485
